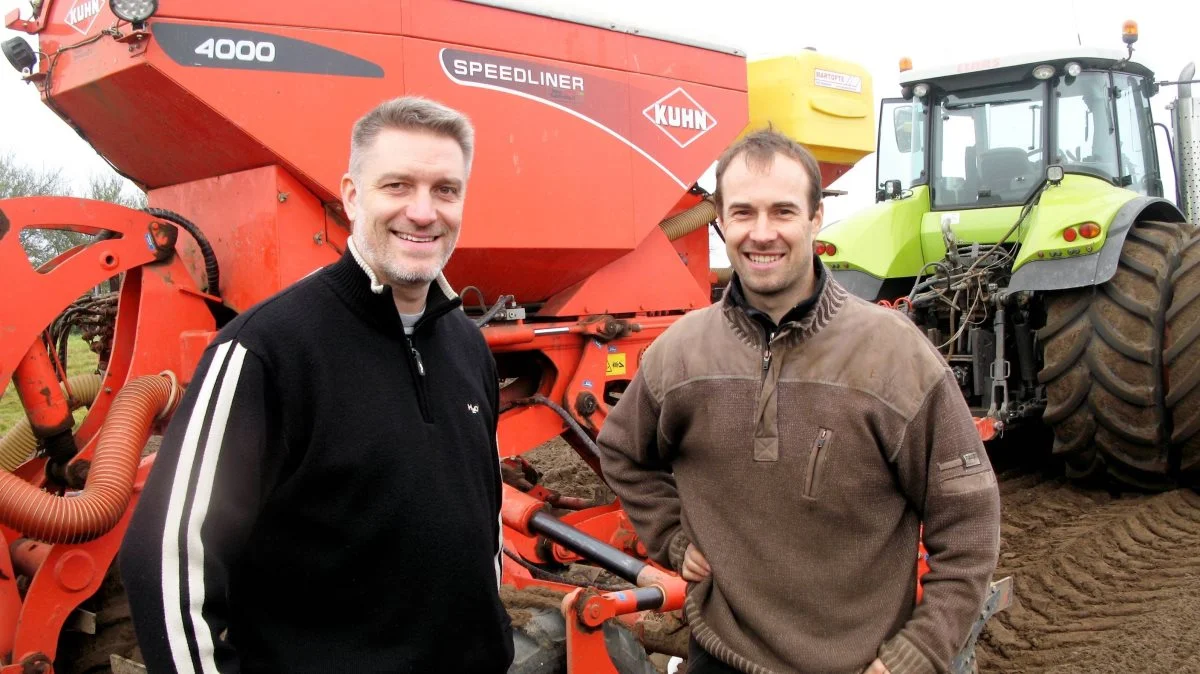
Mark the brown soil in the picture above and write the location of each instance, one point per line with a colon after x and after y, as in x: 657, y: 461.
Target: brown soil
x: 563, y: 471
x: 80, y: 653
x: 664, y: 633
x: 517, y: 602
x: 1103, y: 582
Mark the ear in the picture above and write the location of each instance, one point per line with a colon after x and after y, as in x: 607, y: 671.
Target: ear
x: 818, y: 217
x: 349, y: 197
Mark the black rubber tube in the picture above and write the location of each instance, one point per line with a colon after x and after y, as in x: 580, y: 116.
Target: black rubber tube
x: 539, y: 399
x: 211, y: 269
x: 592, y: 549
x: 648, y: 598
x: 542, y: 574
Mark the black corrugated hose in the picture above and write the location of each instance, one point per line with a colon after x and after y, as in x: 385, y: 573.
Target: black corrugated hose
x: 211, y: 270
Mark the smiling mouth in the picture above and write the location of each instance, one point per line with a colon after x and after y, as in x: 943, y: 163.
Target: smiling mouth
x: 759, y: 258
x: 414, y: 238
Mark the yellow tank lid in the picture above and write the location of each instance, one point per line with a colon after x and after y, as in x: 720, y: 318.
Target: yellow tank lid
x: 823, y: 102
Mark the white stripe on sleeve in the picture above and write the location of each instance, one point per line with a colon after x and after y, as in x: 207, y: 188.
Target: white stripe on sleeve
x: 204, y: 487
x: 172, y: 605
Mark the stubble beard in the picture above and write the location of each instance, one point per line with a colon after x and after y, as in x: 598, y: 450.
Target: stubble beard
x: 373, y: 245
x: 771, y: 284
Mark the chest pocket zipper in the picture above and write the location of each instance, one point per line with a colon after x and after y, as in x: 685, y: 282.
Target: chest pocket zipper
x: 816, y: 459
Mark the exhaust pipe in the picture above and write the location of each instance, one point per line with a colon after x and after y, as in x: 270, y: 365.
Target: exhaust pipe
x: 45, y: 517
x: 1185, y: 117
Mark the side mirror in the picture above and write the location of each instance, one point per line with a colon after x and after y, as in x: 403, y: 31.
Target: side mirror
x: 902, y: 121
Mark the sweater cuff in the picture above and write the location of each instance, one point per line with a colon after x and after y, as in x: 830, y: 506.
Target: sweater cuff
x: 901, y: 656
x: 676, y: 548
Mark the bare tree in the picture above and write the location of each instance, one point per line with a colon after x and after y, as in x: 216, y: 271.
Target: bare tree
x: 17, y: 180
x: 43, y: 245
x: 115, y: 189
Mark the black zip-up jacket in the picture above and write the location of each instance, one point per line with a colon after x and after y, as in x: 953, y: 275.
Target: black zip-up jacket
x: 327, y: 495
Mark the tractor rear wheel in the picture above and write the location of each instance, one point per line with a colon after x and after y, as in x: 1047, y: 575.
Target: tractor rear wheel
x: 1182, y: 358
x: 1104, y: 353
x: 540, y: 646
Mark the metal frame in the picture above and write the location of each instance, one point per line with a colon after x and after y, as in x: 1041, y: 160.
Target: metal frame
x: 934, y: 151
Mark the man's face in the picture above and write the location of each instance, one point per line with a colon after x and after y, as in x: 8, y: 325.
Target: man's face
x: 768, y: 227
x: 406, y: 204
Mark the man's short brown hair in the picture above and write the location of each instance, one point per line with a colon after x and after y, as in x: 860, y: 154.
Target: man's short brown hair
x: 411, y: 113
x: 760, y: 149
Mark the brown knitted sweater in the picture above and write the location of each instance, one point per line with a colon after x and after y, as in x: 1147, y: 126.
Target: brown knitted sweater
x: 802, y: 471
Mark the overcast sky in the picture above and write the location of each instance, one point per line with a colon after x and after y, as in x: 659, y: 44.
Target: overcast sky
x: 871, y: 33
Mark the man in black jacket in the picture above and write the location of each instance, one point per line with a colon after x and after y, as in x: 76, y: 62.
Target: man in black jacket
x: 327, y: 496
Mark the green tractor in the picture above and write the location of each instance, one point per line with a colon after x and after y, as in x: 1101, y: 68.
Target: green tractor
x: 1020, y: 223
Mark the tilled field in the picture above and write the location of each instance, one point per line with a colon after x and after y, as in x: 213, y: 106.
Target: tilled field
x: 1104, y: 582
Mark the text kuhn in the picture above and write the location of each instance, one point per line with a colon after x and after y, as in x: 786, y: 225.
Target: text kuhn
x: 680, y: 118
x: 83, y: 11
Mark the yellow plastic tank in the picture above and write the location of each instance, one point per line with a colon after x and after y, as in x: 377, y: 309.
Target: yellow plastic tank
x: 823, y: 102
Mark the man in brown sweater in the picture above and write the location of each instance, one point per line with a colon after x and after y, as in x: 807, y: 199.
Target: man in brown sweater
x: 782, y: 448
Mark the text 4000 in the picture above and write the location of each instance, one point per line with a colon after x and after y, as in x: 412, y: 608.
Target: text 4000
x: 242, y: 50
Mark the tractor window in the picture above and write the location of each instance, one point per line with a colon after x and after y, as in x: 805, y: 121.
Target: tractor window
x: 1085, y: 132
x: 989, y: 146
x: 958, y: 131
x: 1136, y: 135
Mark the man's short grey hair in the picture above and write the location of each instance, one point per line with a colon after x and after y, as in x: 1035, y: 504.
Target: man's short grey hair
x: 411, y: 113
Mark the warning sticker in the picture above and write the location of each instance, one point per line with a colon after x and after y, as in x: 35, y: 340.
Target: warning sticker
x: 616, y: 365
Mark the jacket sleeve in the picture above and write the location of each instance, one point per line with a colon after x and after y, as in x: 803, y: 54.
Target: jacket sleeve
x: 196, y: 512
x: 637, y: 471
x: 945, y: 471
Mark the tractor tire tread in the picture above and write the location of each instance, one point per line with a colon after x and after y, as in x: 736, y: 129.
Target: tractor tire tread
x: 1068, y: 312
x: 1103, y: 366
x: 1182, y: 360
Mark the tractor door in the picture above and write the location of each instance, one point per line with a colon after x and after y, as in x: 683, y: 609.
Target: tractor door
x: 900, y: 161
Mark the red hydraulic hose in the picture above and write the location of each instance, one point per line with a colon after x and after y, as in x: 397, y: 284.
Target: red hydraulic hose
x: 55, y: 519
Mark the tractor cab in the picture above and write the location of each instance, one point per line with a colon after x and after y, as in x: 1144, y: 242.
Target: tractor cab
x: 1020, y: 203
x: 982, y: 135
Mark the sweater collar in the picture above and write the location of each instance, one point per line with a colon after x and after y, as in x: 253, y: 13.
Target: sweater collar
x: 801, y: 322
x: 797, y: 313
x: 358, y: 286
x: 376, y: 286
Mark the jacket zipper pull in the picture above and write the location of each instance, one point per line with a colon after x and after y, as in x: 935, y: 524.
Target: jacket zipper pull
x: 766, y: 359
x: 822, y: 437
x: 417, y: 357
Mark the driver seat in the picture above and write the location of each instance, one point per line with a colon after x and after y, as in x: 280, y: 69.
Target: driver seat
x: 1000, y: 167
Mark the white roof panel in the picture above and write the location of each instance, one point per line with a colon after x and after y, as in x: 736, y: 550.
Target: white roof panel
x: 1095, y: 56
